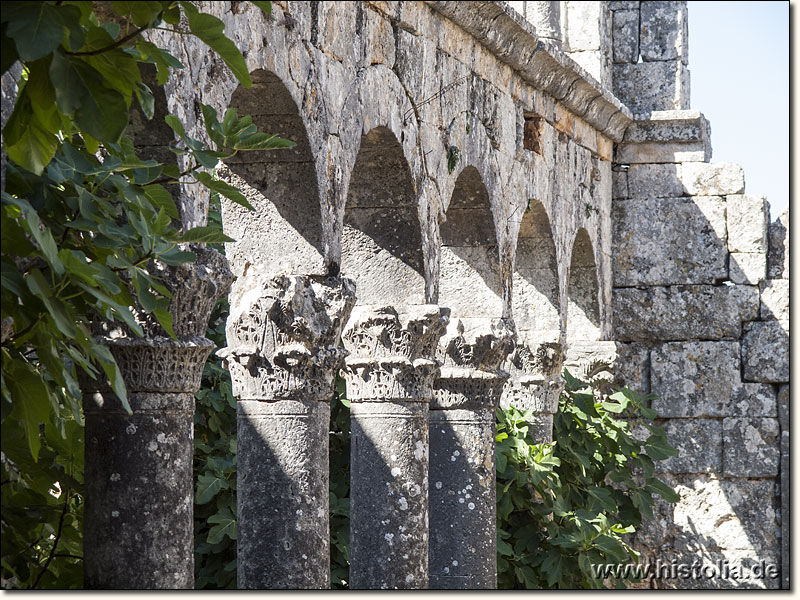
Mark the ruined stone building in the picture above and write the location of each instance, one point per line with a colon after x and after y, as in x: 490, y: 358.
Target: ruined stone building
x: 482, y: 193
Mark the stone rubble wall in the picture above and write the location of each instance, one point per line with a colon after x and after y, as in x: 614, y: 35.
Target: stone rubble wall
x: 701, y: 297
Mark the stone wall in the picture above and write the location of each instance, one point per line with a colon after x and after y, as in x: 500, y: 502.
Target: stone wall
x: 701, y: 311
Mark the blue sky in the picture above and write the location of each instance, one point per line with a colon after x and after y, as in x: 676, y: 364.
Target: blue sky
x: 739, y: 64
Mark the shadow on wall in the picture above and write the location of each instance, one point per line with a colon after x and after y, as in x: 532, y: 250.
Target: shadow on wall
x: 583, y: 308
x: 382, y: 240
x: 470, y: 282
x: 693, y: 301
x: 284, y: 233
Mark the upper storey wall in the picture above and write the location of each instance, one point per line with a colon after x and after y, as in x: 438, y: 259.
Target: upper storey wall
x: 452, y: 92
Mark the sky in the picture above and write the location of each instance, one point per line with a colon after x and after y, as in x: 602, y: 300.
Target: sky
x: 739, y: 65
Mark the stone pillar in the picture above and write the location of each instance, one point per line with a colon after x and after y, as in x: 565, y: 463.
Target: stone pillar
x: 535, y: 384
x: 283, y: 353
x: 463, y: 545
x: 139, y: 487
x: 389, y: 376
x: 546, y: 18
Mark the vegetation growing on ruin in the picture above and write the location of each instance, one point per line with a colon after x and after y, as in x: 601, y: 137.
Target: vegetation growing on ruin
x: 566, y: 505
x: 82, y: 217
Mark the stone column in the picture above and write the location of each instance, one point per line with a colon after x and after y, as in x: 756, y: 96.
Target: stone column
x: 139, y: 487
x: 283, y: 353
x: 535, y: 384
x: 546, y: 18
x: 389, y: 377
x: 463, y: 545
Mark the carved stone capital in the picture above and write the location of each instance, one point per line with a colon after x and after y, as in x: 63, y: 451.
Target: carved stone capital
x: 283, y: 333
x: 479, y: 344
x: 195, y: 289
x: 472, y: 352
x: 392, y: 352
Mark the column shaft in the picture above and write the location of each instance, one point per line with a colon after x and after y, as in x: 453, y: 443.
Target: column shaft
x: 139, y: 486
x: 283, y: 334
x: 388, y: 495
x: 389, y: 377
x: 282, y: 494
x: 463, y: 544
x: 462, y: 500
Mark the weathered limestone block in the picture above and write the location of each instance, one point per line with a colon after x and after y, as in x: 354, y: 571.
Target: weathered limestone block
x: 667, y: 136
x: 783, y: 407
x: 710, y: 179
x: 664, y: 31
x: 753, y: 400
x: 655, y: 181
x: 139, y: 488
x: 699, y: 445
x: 765, y: 352
x: 748, y: 220
x: 778, y: 258
x: 725, y: 515
x: 619, y: 183
x: 283, y: 354
x: 685, y: 179
x: 626, y: 36
x: 747, y: 267
x: 785, y: 510
x: 624, y: 5
x: 683, y: 312
x: 463, y: 547
x: 389, y: 378
x: 752, y: 447
x: 669, y: 241
x: 649, y: 86
x: 775, y: 300
x: 694, y: 379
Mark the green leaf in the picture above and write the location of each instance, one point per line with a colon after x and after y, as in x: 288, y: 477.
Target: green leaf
x: 80, y: 89
x: 207, y: 235
x: 230, y: 192
x: 265, y: 6
x: 141, y: 13
x: 662, y: 489
x: 38, y: 27
x: 26, y: 141
x: 208, y: 486
x: 165, y: 319
x: 31, y: 405
x: 42, y: 235
x: 55, y: 307
x: 225, y: 526
x: 209, y: 29
x: 161, y: 58
x: 111, y: 369
x: 263, y: 141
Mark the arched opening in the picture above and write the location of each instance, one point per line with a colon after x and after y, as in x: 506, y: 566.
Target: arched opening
x: 470, y: 283
x: 284, y: 233
x: 381, y: 240
x: 535, y: 301
x: 583, y: 312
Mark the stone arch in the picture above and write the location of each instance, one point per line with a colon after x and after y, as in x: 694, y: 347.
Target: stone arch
x: 535, y: 298
x: 470, y: 281
x: 284, y: 233
x: 583, y: 297
x: 381, y: 237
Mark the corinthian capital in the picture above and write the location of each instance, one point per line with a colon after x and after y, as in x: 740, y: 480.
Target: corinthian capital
x: 472, y: 353
x: 392, y: 352
x: 283, y: 335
